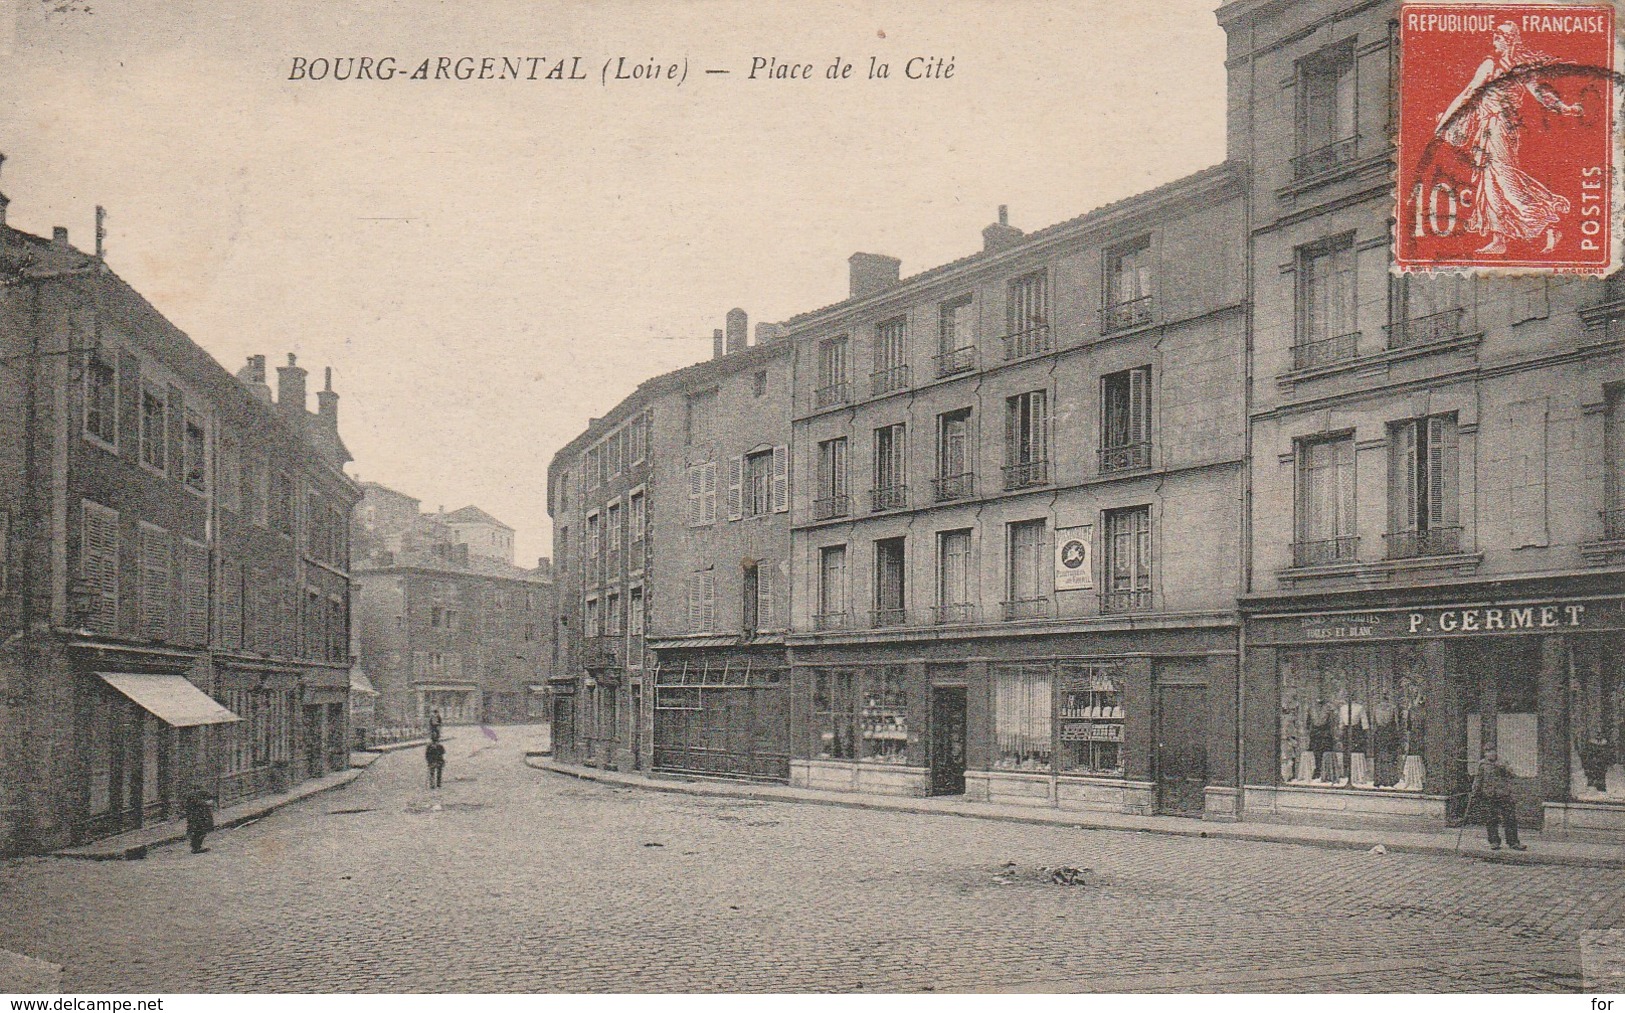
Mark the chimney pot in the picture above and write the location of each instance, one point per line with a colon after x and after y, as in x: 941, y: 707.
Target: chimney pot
x: 1001, y: 235
x: 59, y: 237
x: 716, y: 343
x: 738, y: 327
x: 327, y: 403
x: 872, y: 272
x: 1004, y: 214
x: 290, y: 387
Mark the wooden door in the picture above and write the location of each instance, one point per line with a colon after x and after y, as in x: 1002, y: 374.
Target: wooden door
x: 1181, y: 757
x: 948, y: 740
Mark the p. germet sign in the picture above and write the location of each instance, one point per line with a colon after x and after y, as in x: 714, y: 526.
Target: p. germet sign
x: 1559, y: 616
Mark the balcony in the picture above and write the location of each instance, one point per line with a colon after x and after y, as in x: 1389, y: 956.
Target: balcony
x: 1428, y: 329
x: 888, y: 617
x: 1325, y: 351
x: 834, y: 394
x: 891, y: 497
x: 1019, y: 609
x: 1029, y: 342
x: 1128, y: 313
x: 1326, y: 551
x: 961, y: 612
x: 947, y: 488
x: 829, y: 621
x: 1136, y: 600
x: 1417, y: 544
x: 884, y: 381
x: 1025, y: 475
x: 1324, y: 159
x: 1128, y: 457
x: 960, y: 360
x: 831, y: 506
x: 1613, y: 524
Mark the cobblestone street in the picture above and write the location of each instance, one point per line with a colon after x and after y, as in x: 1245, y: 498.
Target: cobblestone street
x: 512, y: 879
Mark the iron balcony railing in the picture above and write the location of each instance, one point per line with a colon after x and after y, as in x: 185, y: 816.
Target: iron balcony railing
x: 1415, y: 544
x: 890, y: 497
x: 1613, y: 524
x: 884, y: 381
x: 1128, y: 313
x: 1324, y: 159
x: 1324, y: 351
x: 831, y: 506
x: 945, y: 488
x: 960, y: 612
x: 1017, y: 609
x: 1029, y: 342
x: 1133, y: 600
x: 1025, y: 474
x: 960, y: 360
x: 1428, y: 329
x: 1322, y: 551
x: 834, y: 394
x: 1128, y: 457
x: 829, y: 621
x: 888, y: 617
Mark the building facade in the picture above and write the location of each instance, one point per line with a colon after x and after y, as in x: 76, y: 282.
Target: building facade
x: 175, y: 567
x: 1435, y: 547
x: 442, y: 627
x: 1016, y: 513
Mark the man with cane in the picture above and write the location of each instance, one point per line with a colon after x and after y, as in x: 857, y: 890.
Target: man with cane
x: 1493, y: 786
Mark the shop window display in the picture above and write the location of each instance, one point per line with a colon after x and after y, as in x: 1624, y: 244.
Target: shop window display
x: 884, y: 716
x: 1090, y: 718
x: 1353, y: 717
x: 1597, y: 721
x: 832, y: 715
x: 1021, y: 718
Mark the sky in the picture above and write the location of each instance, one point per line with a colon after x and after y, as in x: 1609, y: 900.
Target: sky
x: 486, y: 264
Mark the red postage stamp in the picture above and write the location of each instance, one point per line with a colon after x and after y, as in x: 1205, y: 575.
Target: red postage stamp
x: 1506, y: 145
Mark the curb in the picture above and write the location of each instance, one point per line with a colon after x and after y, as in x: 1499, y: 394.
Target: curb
x: 1215, y: 831
x: 138, y: 851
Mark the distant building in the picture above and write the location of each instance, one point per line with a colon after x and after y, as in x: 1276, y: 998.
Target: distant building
x: 174, y: 556
x: 442, y: 627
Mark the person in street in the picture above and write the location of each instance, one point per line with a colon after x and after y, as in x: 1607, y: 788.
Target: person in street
x: 435, y: 754
x: 434, y: 725
x: 199, y: 811
x: 1493, y: 786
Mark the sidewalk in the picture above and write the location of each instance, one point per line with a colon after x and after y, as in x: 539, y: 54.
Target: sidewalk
x: 1588, y: 854
x: 134, y: 843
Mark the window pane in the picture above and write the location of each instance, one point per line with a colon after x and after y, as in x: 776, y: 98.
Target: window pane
x: 884, y: 717
x: 1091, y: 719
x: 1021, y: 717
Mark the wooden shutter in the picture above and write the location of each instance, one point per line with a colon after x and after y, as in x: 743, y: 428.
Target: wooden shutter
x: 764, y: 594
x: 1139, y: 405
x: 1402, y: 477
x: 708, y: 601
x: 709, y: 513
x: 156, y: 592
x: 98, y: 564
x: 696, y: 494
x: 1345, y: 487
x: 736, y: 485
x: 1012, y: 411
x: 194, y: 592
x: 1444, y: 465
x: 781, y: 479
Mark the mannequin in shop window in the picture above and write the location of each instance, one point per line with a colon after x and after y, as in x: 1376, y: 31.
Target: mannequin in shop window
x: 1356, y: 727
x: 1412, y: 723
x: 1385, y: 741
x: 1323, y: 743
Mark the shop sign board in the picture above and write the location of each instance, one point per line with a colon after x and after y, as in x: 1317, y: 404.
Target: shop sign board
x: 1074, y: 558
x: 1550, y: 616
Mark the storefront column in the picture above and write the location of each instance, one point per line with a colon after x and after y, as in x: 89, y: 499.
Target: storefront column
x: 917, y: 683
x: 978, y: 717
x: 1139, y: 727
x: 1445, y: 741
x: 1552, y: 725
x: 1221, y: 737
x: 1261, y: 742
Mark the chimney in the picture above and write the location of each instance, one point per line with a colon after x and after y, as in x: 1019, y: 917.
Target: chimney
x: 738, y: 328
x: 873, y: 272
x: 290, y: 388
x: 327, y: 403
x: 59, y: 237
x: 716, y: 343
x: 3, y: 200
x: 253, y: 377
x: 766, y: 332
x: 1001, y: 235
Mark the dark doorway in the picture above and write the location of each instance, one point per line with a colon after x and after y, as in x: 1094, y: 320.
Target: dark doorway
x: 564, y: 727
x: 1499, y: 683
x: 948, y: 740
x: 1181, y: 750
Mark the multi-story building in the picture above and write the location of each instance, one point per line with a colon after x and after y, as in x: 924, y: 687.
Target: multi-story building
x: 442, y: 627
x: 1016, y: 510
x: 1435, y: 544
x: 671, y: 532
x: 174, y: 580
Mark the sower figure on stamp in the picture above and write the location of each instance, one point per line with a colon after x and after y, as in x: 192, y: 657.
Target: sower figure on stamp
x: 1493, y: 787
x: 435, y: 755
x: 199, y: 812
x: 1508, y: 203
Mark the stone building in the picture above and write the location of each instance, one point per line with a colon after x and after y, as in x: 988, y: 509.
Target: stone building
x: 1016, y: 509
x: 1435, y: 547
x: 441, y: 627
x: 174, y: 580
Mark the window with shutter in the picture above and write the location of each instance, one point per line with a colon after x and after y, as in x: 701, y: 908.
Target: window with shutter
x: 156, y: 553
x: 101, y: 401
x: 696, y: 495
x: 1326, y: 500
x: 832, y: 581
x: 736, y: 486
x: 98, y: 565
x: 194, y: 592
x: 1422, y: 488
x: 1027, y: 559
x: 708, y: 602
x: 765, y: 572
x: 781, y: 479
x: 709, y: 515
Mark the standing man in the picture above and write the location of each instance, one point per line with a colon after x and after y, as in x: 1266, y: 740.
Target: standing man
x: 1493, y: 785
x: 199, y: 817
x: 435, y: 754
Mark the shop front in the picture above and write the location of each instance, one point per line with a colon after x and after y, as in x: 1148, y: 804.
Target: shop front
x: 1118, y: 722
x: 1381, y: 714
x: 723, y: 713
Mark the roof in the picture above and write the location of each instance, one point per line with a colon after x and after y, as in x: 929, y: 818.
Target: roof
x: 477, y: 566
x: 473, y: 515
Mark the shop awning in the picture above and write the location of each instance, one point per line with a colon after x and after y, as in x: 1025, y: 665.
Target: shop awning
x: 169, y: 698
x: 692, y: 642
x: 359, y: 683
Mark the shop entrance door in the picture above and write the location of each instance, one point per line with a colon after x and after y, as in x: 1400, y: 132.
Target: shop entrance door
x: 564, y: 727
x: 948, y: 740
x: 1181, y: 750
x: 1500, y: 698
